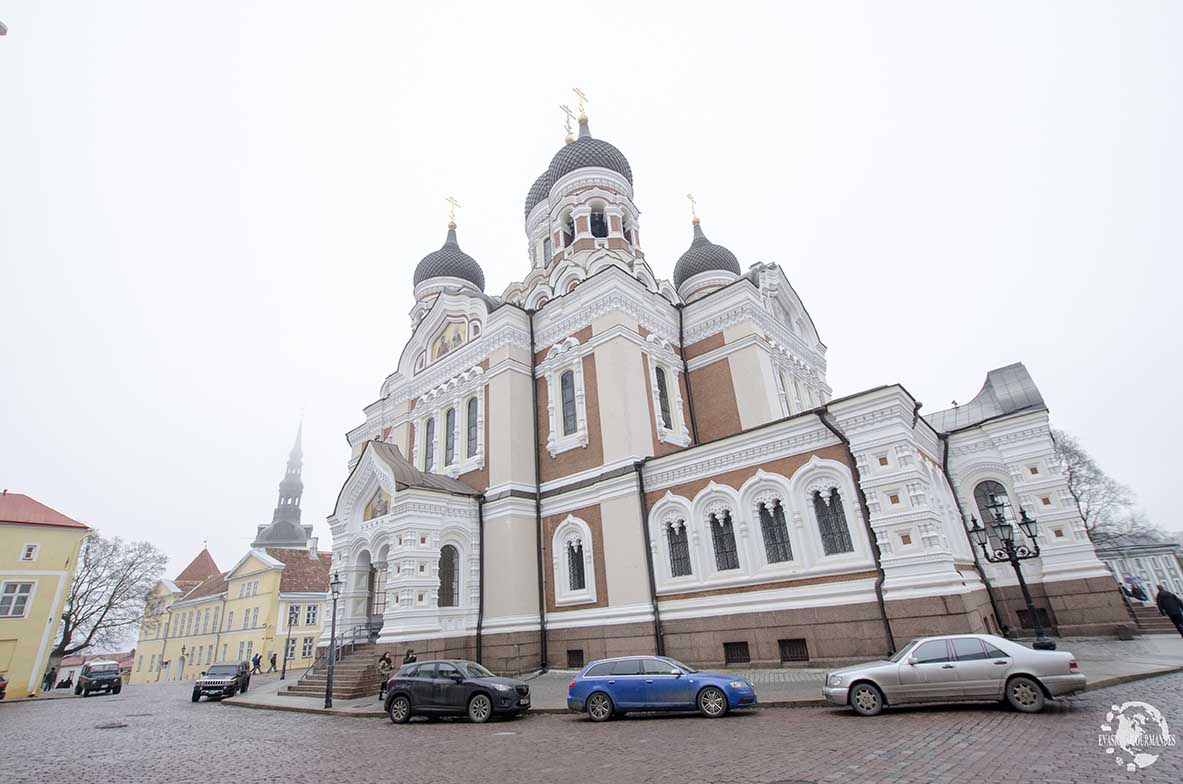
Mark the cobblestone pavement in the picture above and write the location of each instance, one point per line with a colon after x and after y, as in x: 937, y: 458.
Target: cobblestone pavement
x: 163, y: 737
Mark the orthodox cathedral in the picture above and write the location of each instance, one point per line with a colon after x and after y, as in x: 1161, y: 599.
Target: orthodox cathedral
x: 600, y: 461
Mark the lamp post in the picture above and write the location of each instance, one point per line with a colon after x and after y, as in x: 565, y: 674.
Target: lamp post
x: 1013, y: 553
x: 335, y: 587
x: 288, y: 645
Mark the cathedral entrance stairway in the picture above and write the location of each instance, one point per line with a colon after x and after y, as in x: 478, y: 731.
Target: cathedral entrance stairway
x: 1150, y: 621
x: 355, y: 675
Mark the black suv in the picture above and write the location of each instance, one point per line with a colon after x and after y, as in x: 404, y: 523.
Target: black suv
x: 453, y: 687
x: 99, y: 675
x: 223, y: 680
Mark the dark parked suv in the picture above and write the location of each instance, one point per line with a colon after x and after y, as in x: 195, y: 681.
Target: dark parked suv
x: 99, y: 675
x: 453, y: 687
x: 223, y: 680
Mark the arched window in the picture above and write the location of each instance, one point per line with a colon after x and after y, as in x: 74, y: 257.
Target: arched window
x: 992, y: 500
x: 599, y: 224
x: 568, y: 230
x: 776, y: 531
x: 577, y: 580
x: 547, y: 252
x: 679, y: 548
x: 450, y: 437
x: 663, y: 398
x: 471, y: 416
x: 831, y: 522
x: 449, y: 576
x: 567, y: 391
x: 429, y: 444
x: 723, y: 536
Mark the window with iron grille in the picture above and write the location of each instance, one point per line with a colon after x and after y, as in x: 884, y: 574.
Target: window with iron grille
x: 831, y: 522
x: 663, y: 398
x: 470, y: 447
x: 575, y: 659
x: 567, y: 391
x: 450, y: 437
x: 379, y: 606
x: 776, y: 532
x: 449, y: 576
x: 577, y: 580
x: 679, y: 549
x: 736, y: 653
x: 793, y: 650
x: 723, y: 535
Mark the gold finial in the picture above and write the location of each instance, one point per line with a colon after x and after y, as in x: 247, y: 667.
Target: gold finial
x: 570, y: 116
x: 693, y: 209
x: 582, y: 98
x: 452, y: 211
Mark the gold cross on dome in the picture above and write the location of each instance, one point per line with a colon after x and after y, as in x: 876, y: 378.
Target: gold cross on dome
x: 693, y: 205
x: 582, y: 98
x: 452, y: 211
x: 570, y: 116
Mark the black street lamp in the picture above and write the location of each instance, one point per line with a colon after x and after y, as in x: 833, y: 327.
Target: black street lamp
x: 288, y: 645
x: 1014, y: 553
x: 335, y: 586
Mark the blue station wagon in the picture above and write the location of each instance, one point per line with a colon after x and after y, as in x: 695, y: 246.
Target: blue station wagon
x: 612, y: 687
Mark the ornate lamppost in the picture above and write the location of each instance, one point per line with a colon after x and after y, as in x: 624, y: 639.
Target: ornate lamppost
x: 288, y: 645
x: 335, y: 587
x: 1013, y: 553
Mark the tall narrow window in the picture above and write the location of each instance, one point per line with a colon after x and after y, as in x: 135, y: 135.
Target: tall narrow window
x: 776, y: 532
x: 599, y: 224
x: 429, y: 445
x: 567, y: 391
x: 568, y: 231
x: 831, y: 523
x: 470, y: 445
x: 663, y: 398
x: 449, y: 576
x: 547, y: 251
x: 679, y: 549
x: 379, y: 607
x: 450, y: 437
x: 723, y: 535
x: 576, y: 578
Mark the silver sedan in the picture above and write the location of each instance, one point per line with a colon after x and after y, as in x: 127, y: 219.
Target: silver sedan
x: 957, y: 667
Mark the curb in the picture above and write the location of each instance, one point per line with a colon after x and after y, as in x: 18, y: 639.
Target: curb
x: 1137, y: 676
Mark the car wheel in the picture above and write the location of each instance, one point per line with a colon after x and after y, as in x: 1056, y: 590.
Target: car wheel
x: 599, y: 707
x: 712, y: 702
x: 77, y: 690
x: 866, y: 699
x: 196, y: 695
x: 117, y: 689
x: 399, y: 710
x: 85, y: 693
x: 480, y: 708
x: 1024, y: 695
x: 245, y: 686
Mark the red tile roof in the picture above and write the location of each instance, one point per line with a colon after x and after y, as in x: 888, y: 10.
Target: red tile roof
x: 210, y: 586
x: 301, y: 572
x: 20, y: 509
x: 124, y: 658
x: 198, y: 569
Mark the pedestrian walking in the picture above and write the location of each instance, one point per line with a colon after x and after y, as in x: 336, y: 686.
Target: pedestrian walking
x: 385, y: 667
x: 255, y: 661
x: 273, y: 657
x: 1171, y: 606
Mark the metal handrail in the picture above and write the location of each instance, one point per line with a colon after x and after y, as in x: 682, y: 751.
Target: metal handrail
x: 345, y: 638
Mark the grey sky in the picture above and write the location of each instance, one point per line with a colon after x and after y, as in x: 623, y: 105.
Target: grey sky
x: 209, y: 213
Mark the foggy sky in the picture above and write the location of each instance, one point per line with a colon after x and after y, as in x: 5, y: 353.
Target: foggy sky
x: 210, y: 214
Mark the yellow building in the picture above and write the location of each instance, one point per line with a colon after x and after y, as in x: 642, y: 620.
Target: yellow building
x: 39, y: 550
x: 273, y: 599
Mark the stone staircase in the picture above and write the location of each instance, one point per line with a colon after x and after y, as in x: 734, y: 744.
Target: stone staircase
x: 1150, y: 621
x: 355, y: 675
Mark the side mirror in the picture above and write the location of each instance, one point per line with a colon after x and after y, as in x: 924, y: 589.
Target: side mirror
x: 458, y: 678
x: 913, y: 661
x: 676, y: 673
x: 202, y: 673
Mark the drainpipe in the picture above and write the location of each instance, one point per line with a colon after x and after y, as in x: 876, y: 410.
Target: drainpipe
x: 686, y: 375
x: 998, y: 616
x: 862, y: 502
x: 480, y: 611
x: 658, y: 632
x: 537, y: 497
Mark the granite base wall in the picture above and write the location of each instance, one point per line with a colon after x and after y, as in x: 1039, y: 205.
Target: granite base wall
x: 1075, y: 608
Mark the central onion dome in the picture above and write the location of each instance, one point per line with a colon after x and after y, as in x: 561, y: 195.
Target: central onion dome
x: 538, y: 191
x: 586, y: 151
x: 703, y: 256
x: 450, y: 262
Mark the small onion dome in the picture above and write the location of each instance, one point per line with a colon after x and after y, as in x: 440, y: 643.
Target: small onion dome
x: 538, y: 192
x: 703, y: 256
x: 450, y: 262
x: 586, y: 151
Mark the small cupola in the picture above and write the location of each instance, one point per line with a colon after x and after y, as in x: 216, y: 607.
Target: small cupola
x: 704, y: 264
x: 448, y: 264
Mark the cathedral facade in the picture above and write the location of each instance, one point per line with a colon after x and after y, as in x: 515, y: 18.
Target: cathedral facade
x: 600, y: 461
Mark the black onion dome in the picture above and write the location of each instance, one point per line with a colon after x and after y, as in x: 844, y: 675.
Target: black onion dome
x: 703, y: 256
x: 450, y: 262
x: 538, y: 191
x: 586, y: 151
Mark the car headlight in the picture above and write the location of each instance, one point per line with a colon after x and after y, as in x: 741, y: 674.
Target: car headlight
x: 835, y: 680
x: 739, y: 685
x: 502, y: 687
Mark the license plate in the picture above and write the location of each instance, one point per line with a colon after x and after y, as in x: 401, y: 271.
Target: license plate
x: 523, y: 702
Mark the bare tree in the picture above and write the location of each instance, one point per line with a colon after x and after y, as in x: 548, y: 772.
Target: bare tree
x: 1105, y: 505
x: 108, y: 596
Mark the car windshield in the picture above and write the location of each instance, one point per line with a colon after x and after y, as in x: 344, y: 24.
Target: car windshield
x: 474, y: 670
x: 683, y: 667
x: 222, y: 671
x: 104, y: 669
x: 899, y: 655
